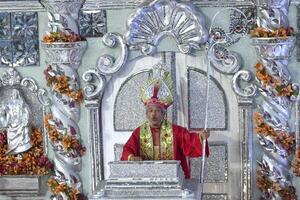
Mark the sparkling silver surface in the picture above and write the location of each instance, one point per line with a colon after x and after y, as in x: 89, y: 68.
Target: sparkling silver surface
x: 92, y: 23
x: 65, y: 58
x: 28, y: 89
x: 15, y: 119
x: 216, y: 170
x: 274, y: 48
x: 62, y: 53
x: 63, y: 14
x: 247, y: 91
x: 20, y: 5
x: 275, y: 109
x: 20, y: 186
x: 118, y: 149
x: 215, y: 197
x: 220, y: 58
x: 217, y: 114
x: 128, y: 103
x: 144, y: 179
x: 107, y: 64
x: 155, y: 19
x: 273, y: 14
x: 298, y: 36
x: 145, y: 169
x: 94, y: 85
x: 237, y: 19
x: 5, y: 29
x: 19, y: 39
x: 117, y: 4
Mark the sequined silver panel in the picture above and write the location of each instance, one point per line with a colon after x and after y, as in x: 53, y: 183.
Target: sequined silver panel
x: 217, y: 164
x: 214, y: 197
x: 217, y: 114
x: 19, y: 39
x: 129, y: 111
x: 236, y: 19
x: 298, y: 35
x: 92, y: 23
x: 118, y: 148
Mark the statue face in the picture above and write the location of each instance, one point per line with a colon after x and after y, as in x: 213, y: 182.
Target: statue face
x: 155, y: 115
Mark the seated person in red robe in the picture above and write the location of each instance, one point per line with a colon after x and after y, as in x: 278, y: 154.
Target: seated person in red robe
x: 158, y: 139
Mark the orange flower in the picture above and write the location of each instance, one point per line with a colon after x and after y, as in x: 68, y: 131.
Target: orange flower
x: 62, y: 37
x: 259, y: 66
x: 77, y: 96
x: 281, y: 32
x: 263, y: 77
x: 66, y: 142
x: 61, y: 84
x: 285, y: 91
x: 36, y: 136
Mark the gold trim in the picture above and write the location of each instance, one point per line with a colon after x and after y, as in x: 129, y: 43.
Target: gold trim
x: 166, y: 142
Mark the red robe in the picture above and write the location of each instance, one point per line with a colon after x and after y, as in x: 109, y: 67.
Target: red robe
x: 185, y: 144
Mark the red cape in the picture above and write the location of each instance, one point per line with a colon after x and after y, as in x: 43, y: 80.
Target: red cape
x: 185, y: 145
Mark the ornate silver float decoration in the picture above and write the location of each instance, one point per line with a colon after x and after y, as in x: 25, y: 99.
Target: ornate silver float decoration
x: 220, y: 58
x: 63, y: 59
x: 160, y: 18
x: 274, y: 112
x: 23, y: 146
x: 152, y: 21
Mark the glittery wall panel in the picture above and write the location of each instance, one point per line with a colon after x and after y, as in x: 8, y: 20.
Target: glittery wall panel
x: 216, y: 170
x: 118, y: 148
x: 19, y: 39
x: 197, y: 96
x: 214, y: 197
x: 92, y: 23
x: 129, y: 111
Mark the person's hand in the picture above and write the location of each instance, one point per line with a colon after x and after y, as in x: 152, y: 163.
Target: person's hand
x: 131, y: 157
x: 204, y: 134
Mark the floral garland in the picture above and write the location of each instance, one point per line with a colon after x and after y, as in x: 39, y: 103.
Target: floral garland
x: 281, y: 88
x: 262, y: 32
x: 61, y: 36
x: 264, y: 184
x: 57, y: 188
x: 61, y: 85
x: 296, y: 163
x: 69, y: 143
x: 285, y: 140
x: 31, y: 162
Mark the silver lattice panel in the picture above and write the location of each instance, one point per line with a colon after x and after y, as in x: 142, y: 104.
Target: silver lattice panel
x: 129, y: 111
x: 92, y: 23
x: 216, y: 166
x: 217, y: 114
x: 19, y: 44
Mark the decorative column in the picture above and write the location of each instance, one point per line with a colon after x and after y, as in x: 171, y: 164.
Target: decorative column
x: 64, y: 49
x: 274, y: 43
x: 245, y: 101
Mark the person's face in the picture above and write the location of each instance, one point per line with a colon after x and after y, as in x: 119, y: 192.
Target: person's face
x: 154, y: 115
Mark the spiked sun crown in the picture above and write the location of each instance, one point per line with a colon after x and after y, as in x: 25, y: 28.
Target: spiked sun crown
x: 158, y: 90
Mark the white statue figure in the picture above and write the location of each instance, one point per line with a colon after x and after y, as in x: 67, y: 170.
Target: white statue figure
x: 15, y: 117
